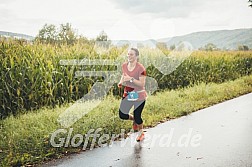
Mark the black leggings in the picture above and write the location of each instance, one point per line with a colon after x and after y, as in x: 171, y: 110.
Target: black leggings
x: 125, y: 107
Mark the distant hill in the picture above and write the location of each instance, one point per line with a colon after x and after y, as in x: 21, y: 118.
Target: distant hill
x: 228, y: 39
x: 223, y: 39
x: 16, y: 35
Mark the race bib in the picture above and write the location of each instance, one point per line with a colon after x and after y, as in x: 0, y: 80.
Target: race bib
x: 132, y: 96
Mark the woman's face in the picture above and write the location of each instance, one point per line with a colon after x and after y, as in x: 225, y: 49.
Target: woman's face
x: 132, y: 56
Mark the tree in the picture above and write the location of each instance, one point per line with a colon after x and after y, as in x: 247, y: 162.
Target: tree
x: 243, y: 48
x: 102, y: 36
x: 102, y: 40
x: 47, y: 35
x: 250, y: 1
x: 210, y: 47
x: 66, y: 34
x: 172, y: 47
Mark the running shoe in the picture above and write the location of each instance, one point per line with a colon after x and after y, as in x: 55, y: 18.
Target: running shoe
x: 140, y: 137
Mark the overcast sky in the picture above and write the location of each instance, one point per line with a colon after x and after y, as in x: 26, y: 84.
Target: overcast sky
x: 126, y: 19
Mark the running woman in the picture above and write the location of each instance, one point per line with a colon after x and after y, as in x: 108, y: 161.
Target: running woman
x: 133, y: 78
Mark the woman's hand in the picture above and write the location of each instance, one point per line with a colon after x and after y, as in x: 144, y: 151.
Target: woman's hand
x: 126, y: 77
x: 119, y: 85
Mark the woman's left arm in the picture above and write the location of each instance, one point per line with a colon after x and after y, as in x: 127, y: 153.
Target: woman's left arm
x: 140, y: 82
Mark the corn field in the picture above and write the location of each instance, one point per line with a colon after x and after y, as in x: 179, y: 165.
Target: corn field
x: 32, y: 77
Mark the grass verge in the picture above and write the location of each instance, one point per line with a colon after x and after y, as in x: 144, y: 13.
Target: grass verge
x: 25, y: 139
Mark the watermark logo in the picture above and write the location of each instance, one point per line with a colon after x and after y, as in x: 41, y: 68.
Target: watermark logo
x: 164, y: 63
x: 95, y: 138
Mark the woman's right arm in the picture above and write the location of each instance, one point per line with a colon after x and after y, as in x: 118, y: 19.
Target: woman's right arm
x: 120, y: 83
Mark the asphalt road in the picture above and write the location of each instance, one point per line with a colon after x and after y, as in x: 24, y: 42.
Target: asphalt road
x: 220, y: 135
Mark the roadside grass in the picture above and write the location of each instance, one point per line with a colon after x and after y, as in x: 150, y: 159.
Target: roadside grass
x: 25, y: 139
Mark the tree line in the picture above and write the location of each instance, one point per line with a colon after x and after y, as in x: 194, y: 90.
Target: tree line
x: 65, y: 34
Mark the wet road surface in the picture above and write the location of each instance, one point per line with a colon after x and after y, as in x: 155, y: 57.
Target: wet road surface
x: 220, y: 135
